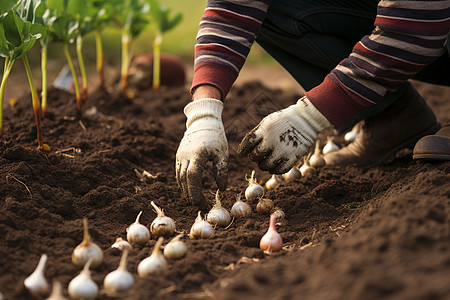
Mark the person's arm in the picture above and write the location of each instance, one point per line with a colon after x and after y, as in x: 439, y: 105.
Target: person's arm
x: 408, y: 36
x: 226, y: 32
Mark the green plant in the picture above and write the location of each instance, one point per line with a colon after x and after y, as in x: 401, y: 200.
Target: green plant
x: 130, y: 17
x: 160, y: 17
x: 18, y: 34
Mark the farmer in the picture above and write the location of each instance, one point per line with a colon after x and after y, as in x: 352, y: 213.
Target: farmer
x: 354, y: 59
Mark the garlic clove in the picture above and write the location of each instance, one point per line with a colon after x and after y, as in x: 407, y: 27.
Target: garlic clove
x: 240, y: 208
x: 57, y: 293
x: 264, y: 205
x: 138, y: 233
x: 254, y: 190
x: 121, y: 244
x: 119, y: 280
x: 201, y: 229
x: 292, y: 174
x: 82, y: 286
x: 273, y: 182
x: 306, y: 169
x: 175, y: 249
x: 352, y: 134
x: 330, y: 146
x: 86, y: 250
x: 218, y: 215
x: 316, y: 160
x: 1, y: 296
x: 155, y: 263
x: 162, y: 225
x: 36, y: 283
x: 271, y: 241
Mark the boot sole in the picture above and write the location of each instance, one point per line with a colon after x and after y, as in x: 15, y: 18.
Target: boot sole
x: 408, y: 144
x: 432, y: 156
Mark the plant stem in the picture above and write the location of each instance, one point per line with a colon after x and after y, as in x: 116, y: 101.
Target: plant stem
x: 7, y: 70
x: 74, y: 75
x: 35, y: 101
x: 157, y: 61
x: 99, y: 50
x: 44, y: 79
x: 82, y: 68
x: 124, y: 67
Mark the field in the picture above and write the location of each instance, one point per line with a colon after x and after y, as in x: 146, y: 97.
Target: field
x: 349, y: 233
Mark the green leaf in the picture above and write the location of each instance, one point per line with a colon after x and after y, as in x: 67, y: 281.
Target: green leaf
x: 7, y: 5
x: 12, y: 25
x: 27, y: 9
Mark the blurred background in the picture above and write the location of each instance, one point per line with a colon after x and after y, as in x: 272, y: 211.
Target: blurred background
x: 179, y: 41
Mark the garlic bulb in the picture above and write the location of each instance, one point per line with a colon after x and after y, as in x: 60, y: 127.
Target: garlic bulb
x: 254, y: 190
x: 1, y: 296
x: 273, y: 182
x: 175, y: 249
x: 86, y: 250
x: 218, y: 215
x: 278, y: 213
x: 352, y: 134
x: 201, y: 229
x: 316, y: 159
x: 292, y: 174
x: 119, y: 280
x: 121, y: 244
x: 306, y: 169
x: 330, y: 146
x: 155, y: 263
x: 36, y: 283
x: 57, y: 293
x: 240, y: 208
x: 264, y: 205
x: 271, y: 241
x: 162, y: 225
x: 82, y: 286
x: 138, y: 233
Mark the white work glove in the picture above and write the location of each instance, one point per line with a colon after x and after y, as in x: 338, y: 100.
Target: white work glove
x: 203, y: 141
x: 283, y: 137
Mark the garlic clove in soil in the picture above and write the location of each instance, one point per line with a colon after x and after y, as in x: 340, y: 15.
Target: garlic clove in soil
x: 162, y: 225
x: 292, y: 174
x: 271, y: 241
x: 121, y: 244
x: 264, y: 205
x: 316, y: 160
x: 119, y: 280
x: 201, y: 229
x: 57, y: 293
x: 176, y: 248
x: 155, y: 263
x: 330, y: 146
x: 138, y: 233
x: 86, y: 250
x: 352, y: 134
x: 36, y: 283
x: 240, y: 208
x: 306, y: 169
x: 82, y: 287
x: 273, y: 182
x: 254, y: 190
x: 218, y: 215
x: 1, y: 296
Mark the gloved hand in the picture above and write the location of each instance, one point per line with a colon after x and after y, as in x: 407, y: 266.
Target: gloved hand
x: 203, y: 141
x: 282, y: 137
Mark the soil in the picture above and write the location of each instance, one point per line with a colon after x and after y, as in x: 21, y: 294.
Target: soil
x: 348, y: 233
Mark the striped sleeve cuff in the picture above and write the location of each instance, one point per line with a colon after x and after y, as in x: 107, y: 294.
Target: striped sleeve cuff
x: 217, y: 76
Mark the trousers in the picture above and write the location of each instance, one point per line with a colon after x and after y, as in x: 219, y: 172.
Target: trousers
x: 310, y: 37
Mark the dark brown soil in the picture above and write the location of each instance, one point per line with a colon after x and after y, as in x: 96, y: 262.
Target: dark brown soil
x: 349, y: 233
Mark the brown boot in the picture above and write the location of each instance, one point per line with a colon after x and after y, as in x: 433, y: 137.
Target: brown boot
x: 399, y: 126
x: 434, y: 147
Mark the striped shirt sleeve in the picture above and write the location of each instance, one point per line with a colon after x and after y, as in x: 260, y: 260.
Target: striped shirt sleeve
x: 408, y: 36
x: 226, y: 33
